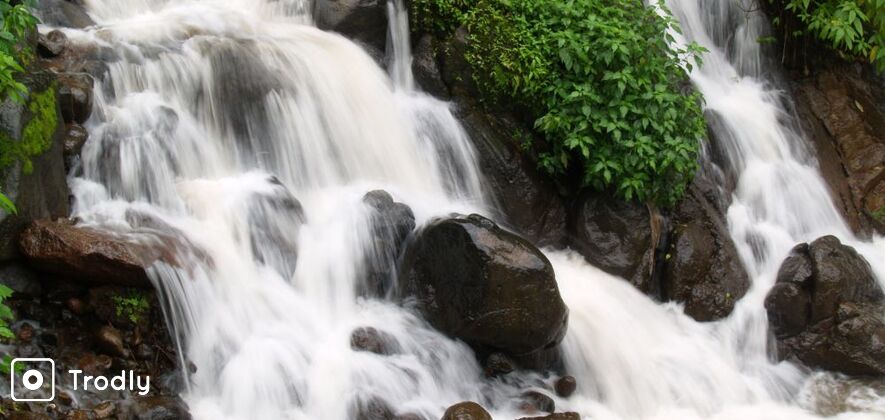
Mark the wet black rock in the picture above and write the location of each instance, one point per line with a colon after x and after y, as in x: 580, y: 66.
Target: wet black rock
x: 702, y: 267
x: 158, y: 408
x: 110, y: 340
x: 373, y: 341
x: 274, y: 221
x: 74, y: 138
x: 484, y: 285
x: 826, y: 309
x: 364, y: 21
x: 62, y: 13
x: 498, y: 364
x: 390, y: 224
x: 425, y: 67
x: 616, y: 236
x: 467, y: 410
x: 565, y: 386
x: 75, y: 96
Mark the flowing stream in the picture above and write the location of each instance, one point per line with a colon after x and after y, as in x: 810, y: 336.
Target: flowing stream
x: 215, y: 114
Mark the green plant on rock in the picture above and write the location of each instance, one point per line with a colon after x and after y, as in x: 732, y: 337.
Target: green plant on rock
x: 37, y: 134
x: 603, y: 80
x: 5, y: 332
x: 853, y: 27
x: 133, y: 306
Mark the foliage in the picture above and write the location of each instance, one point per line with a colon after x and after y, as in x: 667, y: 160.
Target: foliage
x: 854, y: 27
x: 5, y: 332
x: 134, y: 306
x: 18, y: 22
x: 7, y: 205
x: 601, y: 79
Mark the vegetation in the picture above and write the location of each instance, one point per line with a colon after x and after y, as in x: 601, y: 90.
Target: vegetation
x: 133, y: 306
x: 5, y: 332
x: 856, y: 28
x: 602, y: 79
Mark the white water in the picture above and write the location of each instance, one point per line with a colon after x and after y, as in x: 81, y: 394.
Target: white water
x: 211, y: 98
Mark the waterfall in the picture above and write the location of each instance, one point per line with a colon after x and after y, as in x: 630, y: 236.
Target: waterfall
x: 250, y: 134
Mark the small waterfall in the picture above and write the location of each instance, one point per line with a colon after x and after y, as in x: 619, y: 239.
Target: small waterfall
x: 252, y: 136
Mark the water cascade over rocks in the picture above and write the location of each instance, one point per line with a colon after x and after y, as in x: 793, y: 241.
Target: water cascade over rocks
x: 255, y: 137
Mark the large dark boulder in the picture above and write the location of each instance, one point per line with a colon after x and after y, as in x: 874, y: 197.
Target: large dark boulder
x: 702, y: 268
x: 364, y: 21
x: 75, y: 96
x: 826, y: 309
x: 617, y: 236
x: 484, y: 285
x: 41, y: 191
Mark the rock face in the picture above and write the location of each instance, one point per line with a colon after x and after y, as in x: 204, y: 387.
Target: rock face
x: 843, y: 109
x: 616, y: 236
x: 364, y: 21
x: 64, y: 249
x: 702, y: 266
x: 826, y: 309
x: 477, y: 282
x: 42, y: 192
x: 466, y: 411
x: 527, y: 201
x: 62, y: 13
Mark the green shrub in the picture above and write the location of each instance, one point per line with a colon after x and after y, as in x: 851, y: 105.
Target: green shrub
x: 854, y: 27
x: 5, y: 332
x: 601, y: 81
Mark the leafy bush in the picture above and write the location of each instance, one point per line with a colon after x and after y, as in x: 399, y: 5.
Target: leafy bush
x: 5, y: 332
x: 18, y: 22
x: 854, y: 27
x: 600, y: 79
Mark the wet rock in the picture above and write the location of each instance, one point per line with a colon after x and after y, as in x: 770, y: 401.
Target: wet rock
x: 62, y: 13
x: 372, y: 408
x: 110, y: 340
x: 75, y: 96
x: 159, y: 408
x: 391, y: 223
x: 79, y: 415
x: 76, y: 305
x: 25, y: 333
x: 556, y: 416
x: 362, y: 20
x: 491, y: 288
x: 104, y: 410
x: 373, y: 341
x: 274, y: 221
x: 74, y: 138
x: 90, y: 255
x: 22, y: 280
x: 498, y: 364
x: 841, y: 108
x: 51, y: 44
x: 466, y: 411
x: 702, y: 266
x: 565, y: 386
x: 830, y: 319
x: 617, y: 236
x: 527, y: 201
x: 408, y: 416
x: 93, y: 364
x: 27, y: 415
x: 533, y: 401
x: 425, y: 67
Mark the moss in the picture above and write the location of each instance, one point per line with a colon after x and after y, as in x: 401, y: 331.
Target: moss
x: 37, y: 135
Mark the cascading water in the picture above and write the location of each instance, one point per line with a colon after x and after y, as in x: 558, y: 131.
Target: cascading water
x: 217, y: 114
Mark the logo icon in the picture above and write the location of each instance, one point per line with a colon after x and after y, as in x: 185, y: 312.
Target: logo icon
x: 32, y: 379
